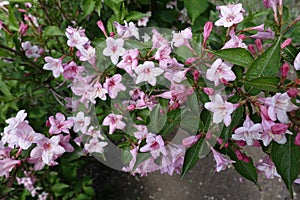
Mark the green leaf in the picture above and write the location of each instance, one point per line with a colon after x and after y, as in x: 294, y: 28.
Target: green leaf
x: 87, y: 7
x: 237, y: 56
x: 135, y: 15
x: 59, y: 187
x: 117, y: 1
x: 53, y: 31
x: 191, y: 157
x: 236, y: 119
x: 158, y: 120
x: 247, y: 170
x: 141, y: 157
x: 267, y: 64
x: 89, y: 191
x: 195, y: 7
x: 4, y: 89
x: 263, y: 83
x: 286, y: 158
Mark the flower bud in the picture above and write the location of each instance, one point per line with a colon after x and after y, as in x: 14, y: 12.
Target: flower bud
x: 190, y: 60
x: 258, y: 44
x: 279, y: 128
x: 297, y: 139
x: 284, y: 70
x: 189, y: 141
x: 102, y: 28
x: 292, y: 92
x: 286, y: 43
x: 23, y: 29
x: 196, y: 74
x: 251, y: 49
x: 131, y: 107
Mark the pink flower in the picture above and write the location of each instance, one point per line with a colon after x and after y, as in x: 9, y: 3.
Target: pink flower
x: 267, y: 166
x: 129, y: 60
x: 54, y: 65
x: 248, y: 132
x: 127, y: 31
x: 15, y: 121
x: 182, y: 38
x: 220, y: 72
x: 157, y: 40
x: 82, y: 87
x: 230, y: 14
x: 94, y: 146
x: 6, y: 165
x: 114, y: 122
x: 234, y: 42
x: 222, y: 162
x: 76, y: 38
x: 262, y: 33
x: 71, y: 71
x: 279, y: 104
x: 222, y: 110
x: 144, y: 20
x: 60, y: 124
x: 155, y: 144
x: 81, y: 122
x: 23, y: 29
x: 114, y: 49
x: 65, y: 143
x: 113, y: 85
x: 100, y: 91
x: 297, y: 62
x: 30, y: 51
x: 87, y: 54
x: 102, y: 28
x: 147, y: 72
x: 48, y: 150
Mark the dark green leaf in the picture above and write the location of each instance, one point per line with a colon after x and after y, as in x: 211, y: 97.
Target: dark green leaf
x: 191, y: 157
x: 88, y: 7
x: 237, y: 56
x: 263, y: 83
x: 58, y: 187
x: 247, y: 170
x: 287, y: 161
x: 267, y: 64
x: 195, y: 7
x: 135, y: 15
x: 158, y: 120
x: 53, y: 31
x: 141, y: 157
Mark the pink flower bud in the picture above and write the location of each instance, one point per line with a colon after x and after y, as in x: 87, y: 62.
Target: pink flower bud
x: 286, y: 43
x: 23, y: 29
x: 196, y: 74
x: 258, y: 44
x: 280, y: 2
x: 220, y: 141
x: 190, y: 61
x: 251, y: 49
x: 207, y: 29
x: 266, y: 3
x: 48, y: 123
x: 209, y: 91
x: 102, y: 28
x: 131, y: 107
x: 241, y: 36
x: 292, y: 92
x: 297, y: 139
x: 22, y: 10
x: 112, y: 34
x: 246, y: 159
x: 239, y: 154
x: 241, y: 143
x: 279, y: 128
x: 189, y: 141
x: 256, y: 143
x: 284, y: 70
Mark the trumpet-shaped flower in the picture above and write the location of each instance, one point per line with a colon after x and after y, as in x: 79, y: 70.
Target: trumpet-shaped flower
x: 147, y: 72
x: 114, y: 49
x: 222, y: 110
x: 222, y: 163
x: 230, y: 14
x: 220, y: 72
x: 114, y: 122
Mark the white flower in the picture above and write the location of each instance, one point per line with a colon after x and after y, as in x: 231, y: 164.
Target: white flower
x: 147, y: 72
